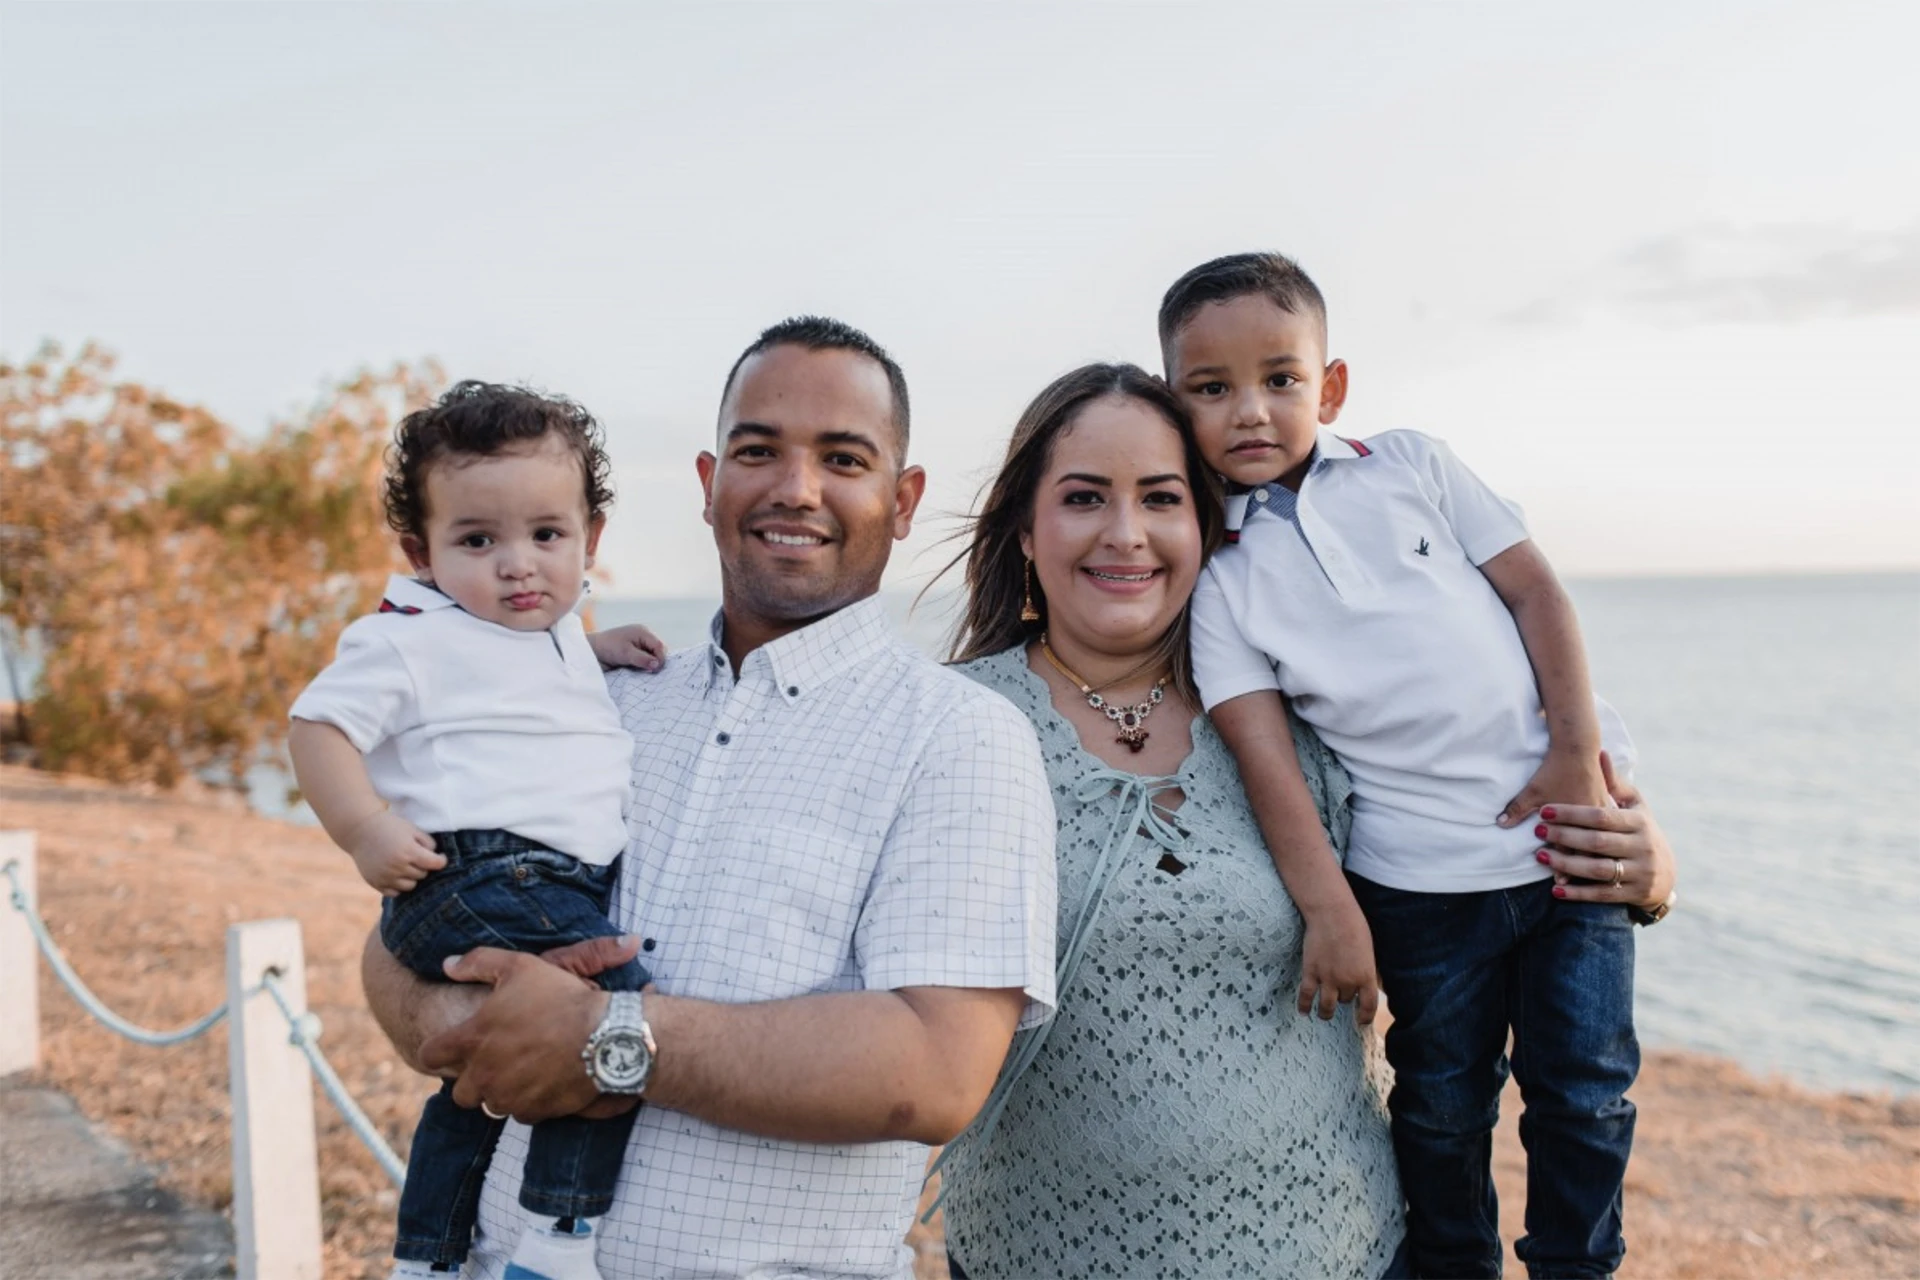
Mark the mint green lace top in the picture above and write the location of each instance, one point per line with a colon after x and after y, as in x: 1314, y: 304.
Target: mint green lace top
x: 1178, y: 1118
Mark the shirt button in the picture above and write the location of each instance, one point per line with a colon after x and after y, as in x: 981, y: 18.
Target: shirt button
x: 1259, y: 495
x: 648, y: 945
x: 723, y: 738
x: 793, y: 691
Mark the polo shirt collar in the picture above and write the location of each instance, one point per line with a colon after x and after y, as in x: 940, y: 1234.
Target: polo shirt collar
x: 1331, y: 447
x: 410, y: 595
x: 1328, y: 448
x: 804, y: 661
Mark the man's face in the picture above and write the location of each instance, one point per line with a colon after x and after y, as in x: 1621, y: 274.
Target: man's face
x: 1259, y: 386
x: 807, y: 493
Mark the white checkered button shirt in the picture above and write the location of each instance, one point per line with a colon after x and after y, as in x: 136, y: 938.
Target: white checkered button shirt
x: 844, y: 816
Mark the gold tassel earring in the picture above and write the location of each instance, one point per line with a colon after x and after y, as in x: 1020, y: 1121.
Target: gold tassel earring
x: 1027, y: 612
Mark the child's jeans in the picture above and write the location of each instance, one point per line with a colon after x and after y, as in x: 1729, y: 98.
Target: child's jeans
x: 1459, y: 969
x: 501, y: 890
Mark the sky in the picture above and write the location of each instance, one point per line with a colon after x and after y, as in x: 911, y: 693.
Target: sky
x: 1653, y: 269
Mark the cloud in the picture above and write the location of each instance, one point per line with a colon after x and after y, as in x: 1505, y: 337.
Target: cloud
x: 1720, y: 273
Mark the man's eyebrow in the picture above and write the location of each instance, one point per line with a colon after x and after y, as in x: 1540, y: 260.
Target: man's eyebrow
x: 836, y: 439
x: 850, y: 437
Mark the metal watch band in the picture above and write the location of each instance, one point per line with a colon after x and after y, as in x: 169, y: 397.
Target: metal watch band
x: 618, y: 1056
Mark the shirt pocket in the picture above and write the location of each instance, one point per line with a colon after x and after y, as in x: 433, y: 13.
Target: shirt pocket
x: 792, y: 900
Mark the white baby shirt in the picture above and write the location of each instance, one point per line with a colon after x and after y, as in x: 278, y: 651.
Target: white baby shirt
x: 467, y: 725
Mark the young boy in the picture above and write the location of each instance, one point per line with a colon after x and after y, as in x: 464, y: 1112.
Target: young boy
x: 1400, y: 605
x: 463, y: 749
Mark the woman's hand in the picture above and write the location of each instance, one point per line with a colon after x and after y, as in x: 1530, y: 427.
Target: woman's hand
x: 1590, y: 849
x: 629, y: 646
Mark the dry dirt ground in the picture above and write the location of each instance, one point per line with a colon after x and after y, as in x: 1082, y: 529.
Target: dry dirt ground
x: 1732, y: 1177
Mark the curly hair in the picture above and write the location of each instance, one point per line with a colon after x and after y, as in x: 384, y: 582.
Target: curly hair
x: 480, y: 419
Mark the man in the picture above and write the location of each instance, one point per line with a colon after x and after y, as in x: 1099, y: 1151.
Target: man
x: 841, y: 876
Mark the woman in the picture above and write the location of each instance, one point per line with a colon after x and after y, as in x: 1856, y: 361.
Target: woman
x: 1177, y: 1117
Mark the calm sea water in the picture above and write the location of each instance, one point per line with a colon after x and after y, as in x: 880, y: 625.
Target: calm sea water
x: 1778, y: 721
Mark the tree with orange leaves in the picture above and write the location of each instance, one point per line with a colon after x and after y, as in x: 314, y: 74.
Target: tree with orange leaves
x: 177, y: 581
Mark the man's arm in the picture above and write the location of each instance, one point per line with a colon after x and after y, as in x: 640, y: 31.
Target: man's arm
x: 409, y: 1008
x: 854, y: 1066
x: 1525, y: 583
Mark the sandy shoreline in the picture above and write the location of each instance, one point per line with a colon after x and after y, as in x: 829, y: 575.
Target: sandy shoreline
x: 1732, y: 1176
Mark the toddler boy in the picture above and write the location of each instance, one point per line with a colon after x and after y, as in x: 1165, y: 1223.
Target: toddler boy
x: 463, y: 749
x: 1401, y: 606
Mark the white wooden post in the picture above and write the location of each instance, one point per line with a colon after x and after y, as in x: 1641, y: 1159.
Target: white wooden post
x: 276, y: 1169
x: 19, y: 961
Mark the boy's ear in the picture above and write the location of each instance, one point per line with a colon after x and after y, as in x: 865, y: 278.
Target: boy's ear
x: 594, y: 527
x: 417, y: 556
x: 1333, y: 391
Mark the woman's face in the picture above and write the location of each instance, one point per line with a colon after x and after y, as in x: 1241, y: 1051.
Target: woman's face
x: 1115, y: 540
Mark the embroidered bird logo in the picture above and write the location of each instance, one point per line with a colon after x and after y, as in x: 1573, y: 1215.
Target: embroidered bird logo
x: 1421, y: 549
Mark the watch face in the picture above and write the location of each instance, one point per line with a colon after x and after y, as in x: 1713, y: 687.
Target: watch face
x: 620, y: 1061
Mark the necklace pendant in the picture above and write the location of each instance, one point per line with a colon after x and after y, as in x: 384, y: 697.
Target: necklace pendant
x: 1135, y: 737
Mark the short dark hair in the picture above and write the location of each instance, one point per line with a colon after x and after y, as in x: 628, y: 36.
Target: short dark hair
x: 1274, y: 276
x: 480, y: 419
x: 822, y: 333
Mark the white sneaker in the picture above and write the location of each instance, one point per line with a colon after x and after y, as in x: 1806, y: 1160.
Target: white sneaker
x: 545, y: 1254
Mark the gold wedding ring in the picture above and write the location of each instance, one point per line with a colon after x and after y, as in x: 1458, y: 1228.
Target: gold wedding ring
x: 1619, y: 872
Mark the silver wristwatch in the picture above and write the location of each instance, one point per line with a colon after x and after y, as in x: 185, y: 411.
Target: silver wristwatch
x: 619, y: 1053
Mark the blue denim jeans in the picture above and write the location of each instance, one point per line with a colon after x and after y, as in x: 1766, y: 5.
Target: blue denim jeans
x: 501, y: 890
x: 1460, y: 970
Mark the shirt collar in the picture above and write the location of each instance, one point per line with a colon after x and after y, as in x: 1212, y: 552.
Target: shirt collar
x: 412, y: 595
x: 1328, y: 448
x: 802, y: 662
x: 1331, y: 447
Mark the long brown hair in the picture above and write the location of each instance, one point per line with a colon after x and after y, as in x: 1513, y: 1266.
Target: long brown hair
x: 996, y: 574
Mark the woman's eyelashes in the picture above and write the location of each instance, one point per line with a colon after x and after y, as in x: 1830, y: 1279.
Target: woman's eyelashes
x: 1096, y: 498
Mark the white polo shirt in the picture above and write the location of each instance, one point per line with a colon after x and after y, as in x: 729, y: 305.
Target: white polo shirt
x: 842, y: 815
x: 467, y: 725
x: 1366, y: 605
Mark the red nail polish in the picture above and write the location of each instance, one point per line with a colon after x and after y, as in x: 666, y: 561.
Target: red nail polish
x: 1540, y: 830
x: 1540, y: 855
x: 1559, y: 891
x: 1547, y: 813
